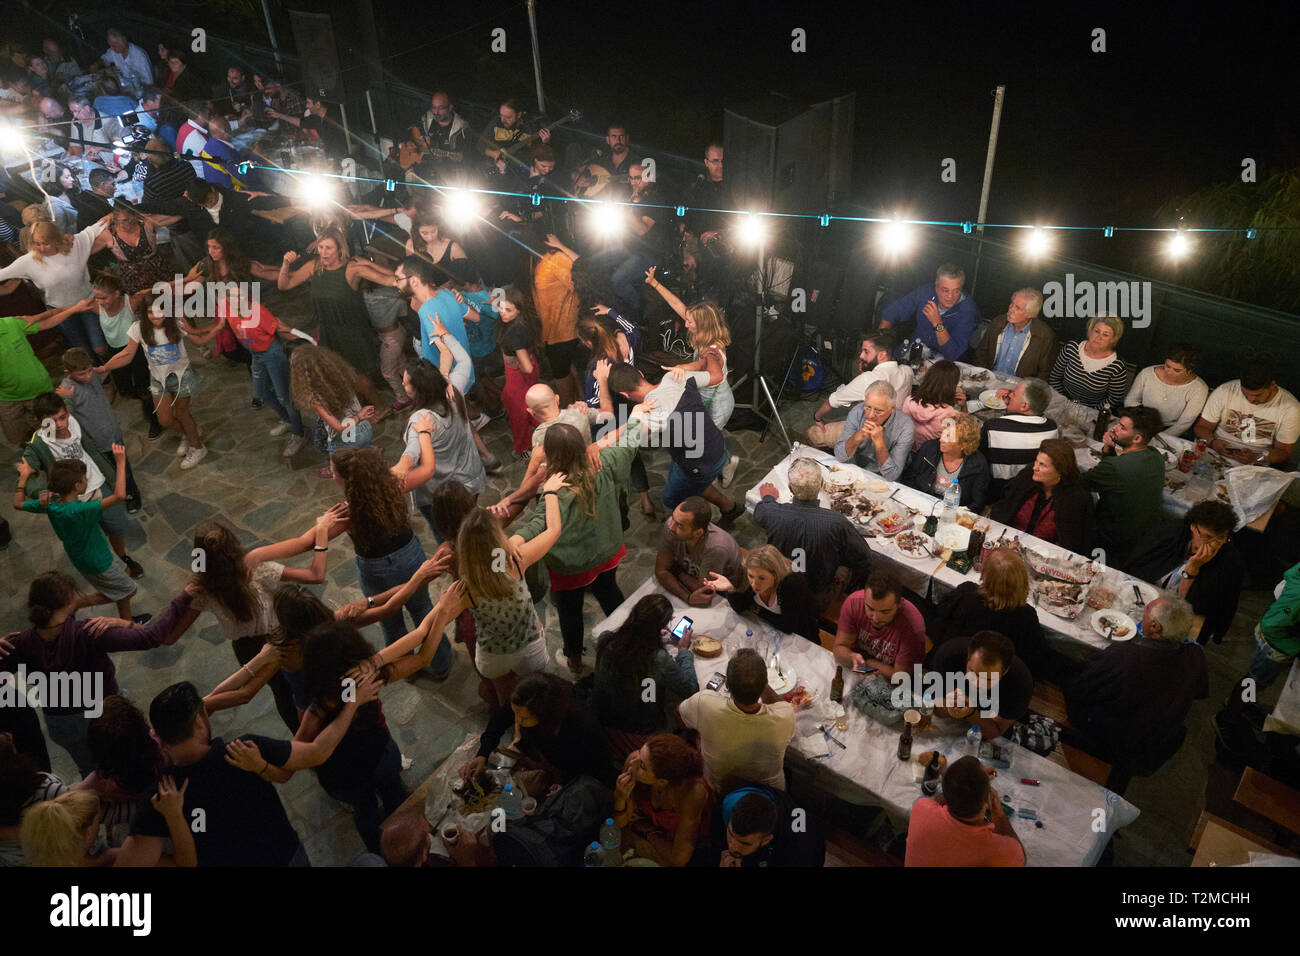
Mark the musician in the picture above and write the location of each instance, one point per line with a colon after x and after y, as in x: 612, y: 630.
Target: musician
x: 533, y: 179
x: 704, y: 252
x: 645, y: 245
x: 510, y: 126
x: 614, y: 158
x: 444, y: 134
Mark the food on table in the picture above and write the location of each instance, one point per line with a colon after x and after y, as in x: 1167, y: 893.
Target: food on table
x: 799, y: 695
x: 979, y: 375
x: 1061, y: 598
x: 878, y: 487
x: 843, y: 506
x: 966, y: 519
x: 916, y: 545
x: 991, y: 399
x: 704, y: 646
x: 893, y: 522
x: 925, y: 758
x: 1221, y: 492
x: 1071, y: 569
x: 1174, y: 483
x: 1101, y: 598
x: 1121, y: 629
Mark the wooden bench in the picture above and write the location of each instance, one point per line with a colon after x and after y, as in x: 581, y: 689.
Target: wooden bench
x: 1275, y: 802
x: 1048, y: 700
x: 845, y: 849
x: 1216, y: 842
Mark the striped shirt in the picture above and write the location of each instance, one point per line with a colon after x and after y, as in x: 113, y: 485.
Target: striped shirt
x: 168, y: 181
x: 1107, y: 384
x: 1011, y: 442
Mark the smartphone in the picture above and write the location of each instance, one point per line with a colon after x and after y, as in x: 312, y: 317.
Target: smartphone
x: 716, y: 682
x: 864, y: 669
x: 679, y: 629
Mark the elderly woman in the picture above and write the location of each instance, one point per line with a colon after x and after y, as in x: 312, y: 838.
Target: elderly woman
x: 1172, y: 389
x: 1090, y: 371
x: 999, y: 602
x: 953, y: 456
x: 1048, y: 500
x: 936, y: 398
x: 876, y: 436
x: 779, y: 593
x: 1197, y: 559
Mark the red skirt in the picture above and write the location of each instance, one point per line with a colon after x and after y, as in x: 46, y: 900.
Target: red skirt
x: 512, y: 397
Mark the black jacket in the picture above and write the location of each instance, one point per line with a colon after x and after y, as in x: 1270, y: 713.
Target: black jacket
x: 1073, y: 508
x: 1215, y: 591
x: 973, y: 477
x: 797, y: 615
x: 963, y: 612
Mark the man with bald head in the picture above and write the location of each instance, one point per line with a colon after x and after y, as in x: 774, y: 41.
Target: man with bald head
x: 445, y: 133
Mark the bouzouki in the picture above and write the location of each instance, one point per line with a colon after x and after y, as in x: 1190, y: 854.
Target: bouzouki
x: 511, y: 151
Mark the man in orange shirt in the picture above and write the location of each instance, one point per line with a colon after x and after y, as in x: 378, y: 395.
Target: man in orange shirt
x: 952, y: 829
x: 557, y: 307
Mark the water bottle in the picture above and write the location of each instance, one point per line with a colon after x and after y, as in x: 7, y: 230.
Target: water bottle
x: 611, y: 843
x: 973, y: 740
x: 905, y: 354
x: 594, y: 855
x: 512, y: 803
x: 951, y: 502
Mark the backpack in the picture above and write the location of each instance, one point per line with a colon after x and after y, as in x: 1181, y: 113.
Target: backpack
x: 561, y: 829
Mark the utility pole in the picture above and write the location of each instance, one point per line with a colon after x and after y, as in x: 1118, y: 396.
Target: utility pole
x: 998, y: 97
x: 537, y: 56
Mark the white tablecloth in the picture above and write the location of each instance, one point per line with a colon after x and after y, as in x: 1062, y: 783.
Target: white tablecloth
x: 1285, y: 718
x: 1066, y: 803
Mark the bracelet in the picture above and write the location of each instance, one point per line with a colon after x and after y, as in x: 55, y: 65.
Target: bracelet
x: 545, y: 493
x: 319, y: 548
x: 251, y: 672
x: 266, y: 765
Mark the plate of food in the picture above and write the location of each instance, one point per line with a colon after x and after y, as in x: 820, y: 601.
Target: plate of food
x: 914, y: 545
x: 1064, y: 599
x: 890, y: 522
x: 990, y: 399
x: 1123, y: 627
x: 978, y: 375
x: 782, y: 682
x: 1101, y: 598
x: 704, y: 646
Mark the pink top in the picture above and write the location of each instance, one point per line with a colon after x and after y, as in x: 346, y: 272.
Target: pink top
x: 927, y: 419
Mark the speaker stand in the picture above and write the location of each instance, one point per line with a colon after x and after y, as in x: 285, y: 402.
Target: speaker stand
x: 760, y: 381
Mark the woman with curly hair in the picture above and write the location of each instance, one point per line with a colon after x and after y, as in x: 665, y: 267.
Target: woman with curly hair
x: 952, y: 455
x: 323, y: 381
x: 662, y: 802
x: 388, y: 552
x: 237, y: 588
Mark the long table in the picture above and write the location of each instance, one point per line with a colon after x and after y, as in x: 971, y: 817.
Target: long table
x: 1285, y: 718
x: 931, y: 578
x: 1077, y: 816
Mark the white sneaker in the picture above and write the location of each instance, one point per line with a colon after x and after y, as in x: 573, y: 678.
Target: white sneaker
x: 729, y: 471
x: 183, y: 448
x: 195, y: 456
x: 293, y: 444
x: 279, y: 429
x: 479, y: 422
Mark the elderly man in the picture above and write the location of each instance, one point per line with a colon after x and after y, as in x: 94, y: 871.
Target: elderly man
x: 193, y: 134
x: 690, y: 549
x: 131, y: 62
x: 1010, y: 443
x: 825, y: 538
x: 1018, y: 342
x: 146, y: 110
x: 90, y: 133
x: 1129, y: 481
x: 875, y: 437
x: 944, y: 316
x: 875, y: 364
x: 1129, y: 704
x: 1252, y: 419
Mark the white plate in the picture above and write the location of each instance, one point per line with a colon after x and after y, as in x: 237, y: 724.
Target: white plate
x: 908, y: 555
x: 989, y: 399
x: 779, y: 684
x: 1123, y: 621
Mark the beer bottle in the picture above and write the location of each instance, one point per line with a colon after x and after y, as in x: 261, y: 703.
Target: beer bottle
x: 1103, y: 422
x: 930, y: 782
x: 837, y: 685
x: 905, y: 742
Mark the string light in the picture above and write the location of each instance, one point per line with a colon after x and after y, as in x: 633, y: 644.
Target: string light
x: 896, y: 237
x: 1179, y: 245
x: 751, y: 230
x: 606, y: 219
x: 315, y: 190
x: 1037, y: 242
x: 461, y: 207
x: 12, y: 139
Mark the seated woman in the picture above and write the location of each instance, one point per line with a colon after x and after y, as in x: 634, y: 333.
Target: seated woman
x: 953, y: 456
x: 779, y: 593
x: 936, y: 397
x: 1091, y: 372
x: 625, y: 658
x: 1197, y: 559
x: 1048, y: 501
x: 1172, y: 389
x: 999, y: 602
x: 662, y: 802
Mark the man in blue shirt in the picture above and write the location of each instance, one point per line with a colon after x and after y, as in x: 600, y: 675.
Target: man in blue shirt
x: 875, y: 436
x: 423, y: 280
x: 944, y: 316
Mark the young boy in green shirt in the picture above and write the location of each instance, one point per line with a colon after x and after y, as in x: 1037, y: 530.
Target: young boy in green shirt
x: 76, y: 523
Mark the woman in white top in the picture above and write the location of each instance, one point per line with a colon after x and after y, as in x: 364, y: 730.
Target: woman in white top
x: 1172, y: 389
x: 238, y: 588
x: 56, y: 264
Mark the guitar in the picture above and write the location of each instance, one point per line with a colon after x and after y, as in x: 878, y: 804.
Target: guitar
x: 522, y: 140
x: 417, y: 149
x: 597, y: 177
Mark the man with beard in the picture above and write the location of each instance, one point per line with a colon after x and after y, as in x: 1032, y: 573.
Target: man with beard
x: 706, y: 248
x: 446, y: 134
x: 875, y: 363
x: 508, y: 127
x: 614, y: 158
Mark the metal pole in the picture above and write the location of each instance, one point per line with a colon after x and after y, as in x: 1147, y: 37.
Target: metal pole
x: 537, y: 55
x: 998, y: 97
x: 270, y: 32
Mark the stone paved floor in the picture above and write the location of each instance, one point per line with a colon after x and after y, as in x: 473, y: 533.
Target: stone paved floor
x: 266, y: 498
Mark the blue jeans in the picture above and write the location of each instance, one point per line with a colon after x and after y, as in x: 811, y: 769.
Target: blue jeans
x: 271, y: 384
x: 83, y: 330
x: 379, y: 574
x: 384, y: 786
x: 681, y: 485
x: 1264, y: 666
x: 629, y: 279
x: 69, y: 732
x: 427, y: 511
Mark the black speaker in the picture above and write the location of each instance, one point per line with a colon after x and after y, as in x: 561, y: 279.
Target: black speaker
x: 785, y: 155
x: 313, y: 34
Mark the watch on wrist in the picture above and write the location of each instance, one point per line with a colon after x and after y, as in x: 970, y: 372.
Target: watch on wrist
x: 1188, y: 577
x: 940, y: 328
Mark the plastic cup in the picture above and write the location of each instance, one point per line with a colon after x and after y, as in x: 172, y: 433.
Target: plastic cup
x: 530, y: 806
x: 450, y: 835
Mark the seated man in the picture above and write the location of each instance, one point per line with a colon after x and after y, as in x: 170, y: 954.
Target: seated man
x: 964, y: 825
x: 827, y: 539
x: 193, y: 134
x: 880, y: 629
x: 690, y: 549
x: 1018, y: 342
x: 679, y: 423
x: 876, y: 364
x: 1129, y: 481
x: 875, y: 436
x: 999, y: 681
x: 1251, y: 420
x: 755, y: 827
x: 943, y: 315
x: 1011, y: 442
x: 91, y: 134
x: 742, y: 738
x: 1129, y: 704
